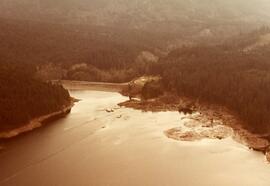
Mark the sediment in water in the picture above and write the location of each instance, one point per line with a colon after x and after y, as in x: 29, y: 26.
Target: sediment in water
x: 208, y: 114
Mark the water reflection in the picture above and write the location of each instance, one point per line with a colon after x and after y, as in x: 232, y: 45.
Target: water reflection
x: 125, y: 147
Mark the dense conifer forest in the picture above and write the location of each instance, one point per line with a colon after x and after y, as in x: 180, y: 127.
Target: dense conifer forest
x: 23, y: 97
x: 232, y: 73
x: 226, y: 74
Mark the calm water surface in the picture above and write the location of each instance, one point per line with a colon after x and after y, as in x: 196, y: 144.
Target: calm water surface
x: 124, y: 148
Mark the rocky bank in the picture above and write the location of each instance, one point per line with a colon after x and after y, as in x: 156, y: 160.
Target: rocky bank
x: 38, y: 122
x: 204, y: 120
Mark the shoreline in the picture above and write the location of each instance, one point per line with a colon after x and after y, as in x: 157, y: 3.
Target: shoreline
x: 69, y: 85
x: 211, y: 116
x: 208, y: 112
x: 38, y: 122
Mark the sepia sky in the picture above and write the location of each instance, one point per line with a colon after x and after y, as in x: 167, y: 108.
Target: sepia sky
x: 137, y: 12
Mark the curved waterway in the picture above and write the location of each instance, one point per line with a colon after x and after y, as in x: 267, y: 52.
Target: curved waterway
x: 94, y: 147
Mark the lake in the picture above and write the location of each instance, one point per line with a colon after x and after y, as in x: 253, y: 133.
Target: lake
x: 126, y: 147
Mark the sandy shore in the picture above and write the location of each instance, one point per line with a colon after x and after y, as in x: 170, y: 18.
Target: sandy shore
x: 37, y: 122
x: 216, y: 116
x: 70, y: 85
x: 211, y: 121
x: 212, y: 118
x: 125, y: 147
x: 213, y: 114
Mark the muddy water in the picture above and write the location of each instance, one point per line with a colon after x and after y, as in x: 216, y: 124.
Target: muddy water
x: 124, y: 148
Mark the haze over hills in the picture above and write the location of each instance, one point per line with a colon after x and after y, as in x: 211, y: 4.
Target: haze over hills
x: 154, y: 15
x: 117, y: 40
x: 208, y: 57
x: 112, y: 34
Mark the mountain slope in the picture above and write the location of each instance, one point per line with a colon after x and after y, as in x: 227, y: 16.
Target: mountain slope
x: 169, y: 15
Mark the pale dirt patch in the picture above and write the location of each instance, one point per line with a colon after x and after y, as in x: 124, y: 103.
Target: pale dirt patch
x: 195, y: 130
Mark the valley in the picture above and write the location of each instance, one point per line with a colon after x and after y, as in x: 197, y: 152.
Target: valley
x: 99, y: 143
x: 145, y: 92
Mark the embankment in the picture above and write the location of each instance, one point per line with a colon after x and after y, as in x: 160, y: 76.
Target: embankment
x: 37, y: 122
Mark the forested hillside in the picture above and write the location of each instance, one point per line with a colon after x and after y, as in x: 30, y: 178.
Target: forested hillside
x: 225, y: 74
x: 202, y: 50
x: 77, y: 52
x: 23, y: 97
x: 186, y: 16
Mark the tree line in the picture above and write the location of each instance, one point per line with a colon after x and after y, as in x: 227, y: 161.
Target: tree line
x: 223, y: 75
x: 23, y: 97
